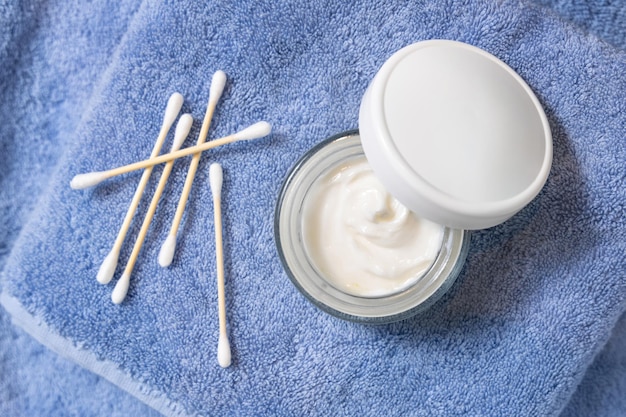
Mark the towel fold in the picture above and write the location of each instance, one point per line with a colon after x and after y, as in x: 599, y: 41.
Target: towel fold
x: 532, y: 312
x: 37, y: 382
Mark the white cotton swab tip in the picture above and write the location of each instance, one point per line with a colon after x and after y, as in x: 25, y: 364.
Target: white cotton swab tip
x: 166, y: 254
x: 215, y: 179
x: 257, y: 130
x: 223, y: 351
x: 107, y: 269
x: 182, y: 130
x: 217, y: 87
x: 121, y: 289
x: 87, y: 180
x: 174, y: 104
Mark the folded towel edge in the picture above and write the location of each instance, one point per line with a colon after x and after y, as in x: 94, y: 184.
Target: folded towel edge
x: 46, y: 336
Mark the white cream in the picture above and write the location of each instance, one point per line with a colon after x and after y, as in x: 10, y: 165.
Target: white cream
x: 361, y: 238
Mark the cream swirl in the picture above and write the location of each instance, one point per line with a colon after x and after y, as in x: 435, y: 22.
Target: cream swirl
x: 361, y: 238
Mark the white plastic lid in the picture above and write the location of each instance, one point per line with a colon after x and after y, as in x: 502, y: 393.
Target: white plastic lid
x: 455, y: 134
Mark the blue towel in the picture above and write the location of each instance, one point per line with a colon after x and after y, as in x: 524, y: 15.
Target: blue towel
x: 37, y: 382
x: 533, y: 326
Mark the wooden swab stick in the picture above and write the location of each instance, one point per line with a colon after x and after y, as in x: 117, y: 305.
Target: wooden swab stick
x: 107, y: 269
x: 223, y: 345
x: 166, y: 254
x: 257, y: 130
x: 121, y: 288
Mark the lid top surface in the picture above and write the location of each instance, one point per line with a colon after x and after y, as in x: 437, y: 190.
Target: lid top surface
x: 460, y: 128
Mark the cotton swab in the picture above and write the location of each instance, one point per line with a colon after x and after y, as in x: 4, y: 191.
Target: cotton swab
x: 121, y: 288
x: 223, y: 345
x: 257, y: 130
x: 107, y: 269
x: 166, y: 254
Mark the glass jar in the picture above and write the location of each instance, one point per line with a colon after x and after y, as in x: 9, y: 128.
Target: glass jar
x: 453, y: 134
x: 318, y: 288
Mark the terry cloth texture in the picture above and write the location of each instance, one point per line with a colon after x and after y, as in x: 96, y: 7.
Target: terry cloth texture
x: 533, y: 326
